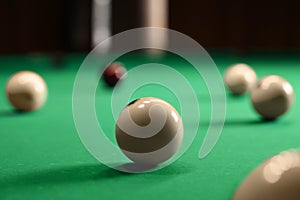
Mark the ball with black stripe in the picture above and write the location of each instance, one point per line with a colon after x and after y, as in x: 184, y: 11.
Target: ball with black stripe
x: 149, y: 131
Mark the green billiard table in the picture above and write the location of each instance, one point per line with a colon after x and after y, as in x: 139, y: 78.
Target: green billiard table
x: 42, y: 156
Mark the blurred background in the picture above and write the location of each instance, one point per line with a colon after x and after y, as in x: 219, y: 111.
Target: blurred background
x: 69, y: 25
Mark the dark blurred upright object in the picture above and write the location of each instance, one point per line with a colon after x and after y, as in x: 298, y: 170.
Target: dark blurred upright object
x: 44, y: 26
x: 126, y: 15
x: 239, y: 25
x: 75, y: 30
x: 55, y: 25
x: 76, y: 25
x: 58, y: 59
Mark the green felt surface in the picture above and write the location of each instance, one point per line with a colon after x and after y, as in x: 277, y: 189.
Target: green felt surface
x: 42, y: 156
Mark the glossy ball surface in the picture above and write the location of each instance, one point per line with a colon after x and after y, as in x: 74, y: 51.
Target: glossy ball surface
x: 113, y: 74
x: 272, y: 96
x: 277, y: 178
x: 240, y: 79
x: 149, y: 131
x: 26, y: 91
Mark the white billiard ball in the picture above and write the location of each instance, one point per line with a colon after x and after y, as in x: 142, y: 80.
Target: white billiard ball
x: 277, y: 178
x: 272, y: 96
x: 240, y: 78
x: 26, y: 91
x: 149, y: 131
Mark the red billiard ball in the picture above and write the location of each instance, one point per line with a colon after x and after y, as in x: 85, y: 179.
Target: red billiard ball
x: 113, y: 73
